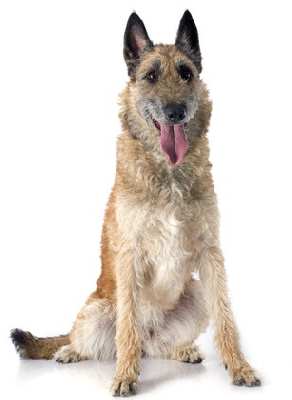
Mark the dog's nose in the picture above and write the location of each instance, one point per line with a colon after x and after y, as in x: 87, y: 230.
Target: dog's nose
x: 175, y: 112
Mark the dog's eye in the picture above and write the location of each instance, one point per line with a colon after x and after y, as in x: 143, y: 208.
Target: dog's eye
x: 185, y: 73
x: 151, y: 76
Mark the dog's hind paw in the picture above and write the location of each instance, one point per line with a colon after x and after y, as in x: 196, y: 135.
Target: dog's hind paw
x: 188, y: 354
x: 66, y: 355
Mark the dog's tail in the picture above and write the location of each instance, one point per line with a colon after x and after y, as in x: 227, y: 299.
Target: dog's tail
x: 29, y: 346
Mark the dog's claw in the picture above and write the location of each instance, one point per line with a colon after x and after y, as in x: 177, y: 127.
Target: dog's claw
x: 194, y: 361
x: 239, y: 382
x: 255, y: 382
x: 124, y: 388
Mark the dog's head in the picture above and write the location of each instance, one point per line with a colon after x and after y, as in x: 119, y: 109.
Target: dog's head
x: 165, y: 84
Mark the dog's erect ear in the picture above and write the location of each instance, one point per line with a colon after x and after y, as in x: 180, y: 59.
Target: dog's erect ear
x: 187, y: 39
x: 136, y: 41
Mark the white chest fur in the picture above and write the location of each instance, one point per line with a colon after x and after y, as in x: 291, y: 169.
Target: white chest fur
x: 165, y: 242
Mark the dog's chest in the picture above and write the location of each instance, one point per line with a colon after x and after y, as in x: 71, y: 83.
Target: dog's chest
x: 166, y: 263
x: 165, y: 242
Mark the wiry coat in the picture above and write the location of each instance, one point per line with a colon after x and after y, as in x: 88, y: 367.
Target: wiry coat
x: 161, y: 225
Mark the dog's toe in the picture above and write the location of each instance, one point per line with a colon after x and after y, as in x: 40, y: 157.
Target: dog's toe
x: 124, y: 387
x: 245, y: 376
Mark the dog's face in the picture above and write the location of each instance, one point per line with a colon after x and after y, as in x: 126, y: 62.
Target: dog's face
x: 165, y: 80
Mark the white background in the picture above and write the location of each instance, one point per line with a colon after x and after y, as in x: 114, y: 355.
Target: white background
x: 61, y: 69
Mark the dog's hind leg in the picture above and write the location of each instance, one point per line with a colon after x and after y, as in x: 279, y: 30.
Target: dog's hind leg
x: 173, y: 337
x: 93, y: 333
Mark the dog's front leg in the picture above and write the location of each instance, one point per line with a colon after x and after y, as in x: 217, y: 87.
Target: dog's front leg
x: 212, y: 275
x: 127, y: 334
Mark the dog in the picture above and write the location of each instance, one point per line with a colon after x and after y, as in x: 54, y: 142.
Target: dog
x: 160, y: 226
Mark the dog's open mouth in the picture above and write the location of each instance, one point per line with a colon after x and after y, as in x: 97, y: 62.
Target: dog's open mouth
x: 173, y: 141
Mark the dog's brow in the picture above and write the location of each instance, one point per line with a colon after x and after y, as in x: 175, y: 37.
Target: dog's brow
x: 180, y: 63
x: 156, y: 65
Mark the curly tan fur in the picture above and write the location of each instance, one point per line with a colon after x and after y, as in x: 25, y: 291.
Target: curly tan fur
x: 161, y: 224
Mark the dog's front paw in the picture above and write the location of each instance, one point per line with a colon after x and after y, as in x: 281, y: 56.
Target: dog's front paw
x: 245, y: 376
x: 123, y: 387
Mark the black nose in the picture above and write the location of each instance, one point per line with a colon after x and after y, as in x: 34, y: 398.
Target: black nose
x: 175, y: 112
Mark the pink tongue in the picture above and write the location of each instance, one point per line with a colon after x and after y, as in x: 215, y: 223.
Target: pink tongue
x: 173, y: 142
